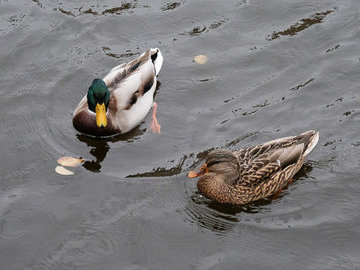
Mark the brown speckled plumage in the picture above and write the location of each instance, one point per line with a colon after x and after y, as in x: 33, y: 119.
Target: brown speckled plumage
x: 255, y: 172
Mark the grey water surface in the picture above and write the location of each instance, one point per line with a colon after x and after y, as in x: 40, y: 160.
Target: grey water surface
x: 275, y: 68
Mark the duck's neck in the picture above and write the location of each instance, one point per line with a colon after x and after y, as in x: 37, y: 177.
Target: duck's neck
x: 226, y: 188
x: 218, y: 187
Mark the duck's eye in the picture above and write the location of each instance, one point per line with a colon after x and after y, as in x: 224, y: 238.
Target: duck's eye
x: 211, y: 163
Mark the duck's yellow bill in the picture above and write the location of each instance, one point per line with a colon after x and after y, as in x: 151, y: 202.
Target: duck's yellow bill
x: 100, y: 110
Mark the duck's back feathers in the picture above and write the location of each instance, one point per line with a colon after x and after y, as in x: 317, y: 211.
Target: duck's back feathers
x: 259, y: 163
x: 133, y: 85
x: 119, y: 73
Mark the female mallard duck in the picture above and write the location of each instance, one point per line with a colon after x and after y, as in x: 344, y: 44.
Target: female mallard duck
x: 122, y: 99
x: 255, y: 172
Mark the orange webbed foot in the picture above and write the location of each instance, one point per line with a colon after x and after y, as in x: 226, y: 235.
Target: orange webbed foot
x: 155, y: 126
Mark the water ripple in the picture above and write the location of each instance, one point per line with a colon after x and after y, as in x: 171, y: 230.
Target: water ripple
x: 301, y: 26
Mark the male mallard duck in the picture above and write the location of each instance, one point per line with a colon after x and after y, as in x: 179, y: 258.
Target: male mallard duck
x: 255, y: 172
x: 122, y: 99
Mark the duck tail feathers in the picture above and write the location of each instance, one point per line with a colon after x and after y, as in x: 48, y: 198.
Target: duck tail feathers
x: 157, y: 59
x: 313, y: 137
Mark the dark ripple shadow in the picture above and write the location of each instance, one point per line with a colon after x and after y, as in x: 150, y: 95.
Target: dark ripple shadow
x: 73, y: 10
x: 38, y: 3
x: 301, y: 26
x: 162, y: 171
x: 100, y: 146
x: 198, y: 30
x: 187, y: 162
x: 95, y: 11
x: 295, y: 88
x: 217, y: 217
x: 170, y: 6
x: 107, y: 51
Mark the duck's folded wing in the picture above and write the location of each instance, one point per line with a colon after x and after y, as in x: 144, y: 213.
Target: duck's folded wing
x: 131, y: 81
x: 260, y: 164
x: 148, y: 64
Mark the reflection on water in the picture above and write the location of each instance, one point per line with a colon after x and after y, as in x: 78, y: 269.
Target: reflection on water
x: 162, y: 171
x: 220, y: 217
x: 171, y: 6
x: 302, y: 25
x: 99, y: 149
x: 305, y: 170
x: 127, y: 54
x: 295, y: 88
x: 95, y: 10
x: 100, y: 146
x: 197, y: 30
x: 188, y: 161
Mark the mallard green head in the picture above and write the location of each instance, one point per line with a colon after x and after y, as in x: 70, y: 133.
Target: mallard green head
x: 98, y: 97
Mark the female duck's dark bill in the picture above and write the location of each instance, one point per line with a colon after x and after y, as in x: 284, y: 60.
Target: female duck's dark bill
x: 204, y: 169
x: 100, y: 110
